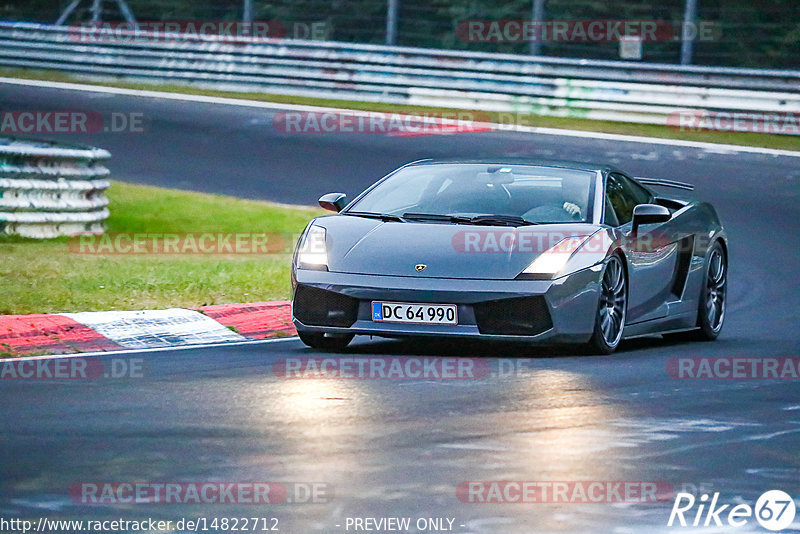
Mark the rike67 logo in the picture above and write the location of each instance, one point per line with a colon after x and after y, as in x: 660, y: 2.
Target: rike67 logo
x: 774, y: 510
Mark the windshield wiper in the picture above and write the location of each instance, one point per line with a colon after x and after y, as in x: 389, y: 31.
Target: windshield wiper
x: 504, y: 220
x: 436, y: 217
x: 371, y: 215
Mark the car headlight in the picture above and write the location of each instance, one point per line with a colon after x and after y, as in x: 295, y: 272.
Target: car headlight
x: 552, y: 261
x: 312, y: 253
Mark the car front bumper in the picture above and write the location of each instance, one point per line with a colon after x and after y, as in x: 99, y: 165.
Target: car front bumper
x: 560, y: 310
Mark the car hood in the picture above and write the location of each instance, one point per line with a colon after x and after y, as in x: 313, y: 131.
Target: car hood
x: 367, y: 246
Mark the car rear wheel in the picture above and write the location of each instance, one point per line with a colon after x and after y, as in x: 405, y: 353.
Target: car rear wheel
x: 610, y: 319
x: 317, y: 340
x: 714, y: 297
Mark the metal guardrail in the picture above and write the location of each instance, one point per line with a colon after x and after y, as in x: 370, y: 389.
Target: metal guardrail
x: 47, y: 190
x: 606, y: 90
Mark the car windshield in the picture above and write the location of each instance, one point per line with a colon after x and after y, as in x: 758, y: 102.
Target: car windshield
x: 456, y: 193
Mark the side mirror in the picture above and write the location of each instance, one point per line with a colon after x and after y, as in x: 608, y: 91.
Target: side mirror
x: 333, y: 201
x: 649, y: 214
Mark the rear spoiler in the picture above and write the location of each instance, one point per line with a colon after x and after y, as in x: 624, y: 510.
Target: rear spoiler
x: 665, y: 183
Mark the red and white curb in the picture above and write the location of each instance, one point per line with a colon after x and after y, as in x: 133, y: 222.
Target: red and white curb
x: 106, y: 331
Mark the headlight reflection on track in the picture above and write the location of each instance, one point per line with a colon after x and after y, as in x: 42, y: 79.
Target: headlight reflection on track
x: 564, y: 427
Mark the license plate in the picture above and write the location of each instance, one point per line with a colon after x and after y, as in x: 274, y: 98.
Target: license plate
x: 400, y: 312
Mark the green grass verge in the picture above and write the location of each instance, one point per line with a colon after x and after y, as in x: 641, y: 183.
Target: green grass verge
x: 45, y: 276
x: 785, y: 142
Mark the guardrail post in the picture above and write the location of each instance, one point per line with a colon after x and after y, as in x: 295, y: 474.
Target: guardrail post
x: 247, y: 11
x: 67, y: 12
x: 391, y: 21
x: 687, y: 41
x: 97, y: 11
x: 537, y: 15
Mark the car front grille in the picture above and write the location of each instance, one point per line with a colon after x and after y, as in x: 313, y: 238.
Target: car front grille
x: 523, y: 316
x: 318, y: 307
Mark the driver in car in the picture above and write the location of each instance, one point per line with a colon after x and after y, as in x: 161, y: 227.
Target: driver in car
x: 573, y: 191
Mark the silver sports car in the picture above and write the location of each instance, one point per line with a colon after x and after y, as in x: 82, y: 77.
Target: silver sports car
x: 515, y: 250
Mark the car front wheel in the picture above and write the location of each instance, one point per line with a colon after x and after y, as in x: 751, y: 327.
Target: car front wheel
x: 610, y: 319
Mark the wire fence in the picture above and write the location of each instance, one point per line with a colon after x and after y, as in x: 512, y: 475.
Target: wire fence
x: 739, y: 33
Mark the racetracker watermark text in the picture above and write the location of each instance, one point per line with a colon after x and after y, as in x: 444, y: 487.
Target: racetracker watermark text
x: 734, y: 368
x: 182, y: 243
x: 78, y: 368
x: 524, y: 241
x: 582, y: 31
x: 373, y: 122
x: 698, y: 120
x: 569, y: 492
x: 193, y: 30
x: 255, y: 493
x: 70, y: 122
x: 394, y: 368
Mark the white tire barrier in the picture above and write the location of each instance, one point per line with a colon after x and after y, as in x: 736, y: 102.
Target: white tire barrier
x: 48, y: 190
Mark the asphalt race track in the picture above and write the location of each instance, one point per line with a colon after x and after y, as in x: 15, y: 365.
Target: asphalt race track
x: 400, y: 448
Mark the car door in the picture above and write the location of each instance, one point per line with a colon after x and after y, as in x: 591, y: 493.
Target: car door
x: 652, y: 254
